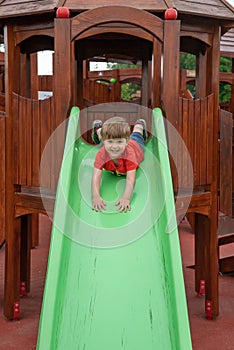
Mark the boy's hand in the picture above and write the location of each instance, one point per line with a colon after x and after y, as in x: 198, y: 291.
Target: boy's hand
x: 98, y: 204
x: 123, y: 204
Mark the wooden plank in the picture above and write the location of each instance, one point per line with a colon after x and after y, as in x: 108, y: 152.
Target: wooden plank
x: 29, y: 142
x: 27, y: 203
x: 178, y: 157
x: 15, y: 131
x: 196, y: 162
x: 226, y: 239
x: 226, y: 264
x: 197, y: 202
x: 45, y: 132
x: 36, y: 145
x: 226, y: 166
x: 22, y: 145
x: 33, y: 76
x: 53, y: 156
x: 24, y: 80
x: 45, y: 83
x: 203, y: 142
x: 210, y: 139
x: 191, y: 135
x: 2, y: 178
x: 183, y: 153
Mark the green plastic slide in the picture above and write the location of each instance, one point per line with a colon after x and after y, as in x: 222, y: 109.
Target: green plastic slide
x: 114, y: 280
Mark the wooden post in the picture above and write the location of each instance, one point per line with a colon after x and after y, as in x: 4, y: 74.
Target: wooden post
x: 12, y: 254
x: 62, y: 84
x: 2, y: 178
x: 25, y: 254
x: 232, y: 92
x: 201, y: 66
x: 144, y: 79
x: 171, y: 70
x: 156, y: 74
x: 79, y: 84
x: 213, y: 79
x: 201, y: 229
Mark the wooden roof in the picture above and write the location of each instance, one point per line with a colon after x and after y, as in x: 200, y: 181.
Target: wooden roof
x: 15, y: 8
x: 227, y: 43
x: 208, y: 8
x: 219, y: 9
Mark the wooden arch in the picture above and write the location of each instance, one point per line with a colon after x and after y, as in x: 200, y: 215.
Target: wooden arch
x: 36, y: 43
x: 122, y: 20
x: 116, y: 14
x: 226, y: 79
x: 202, y: 37
x: 163, y: 35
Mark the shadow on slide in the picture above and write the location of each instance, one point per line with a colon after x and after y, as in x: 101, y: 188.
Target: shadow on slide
x: 114, y: 280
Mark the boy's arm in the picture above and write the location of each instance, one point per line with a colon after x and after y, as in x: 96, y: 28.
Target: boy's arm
x: 98, y: 203
x: 124, y: 202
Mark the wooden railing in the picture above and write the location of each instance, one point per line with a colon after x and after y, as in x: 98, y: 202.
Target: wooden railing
x: 129, y: 111
x: 33, y: 124
x: 196, y: 129
x: 98, y: 92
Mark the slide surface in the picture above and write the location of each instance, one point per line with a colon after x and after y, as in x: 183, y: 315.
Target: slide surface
x: 114, y: 280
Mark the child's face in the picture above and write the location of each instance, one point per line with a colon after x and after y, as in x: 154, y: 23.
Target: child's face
x: 115, y: 147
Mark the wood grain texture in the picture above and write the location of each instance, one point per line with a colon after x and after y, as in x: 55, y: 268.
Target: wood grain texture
x: 2, y: 178
x: 32, y: 128
x: 212, y: 8
x: 196, y: 126
x: 13, y: 8
x: 226, y: 166
x: 109, y: 14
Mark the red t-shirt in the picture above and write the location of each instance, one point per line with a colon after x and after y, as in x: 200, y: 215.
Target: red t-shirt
x: 130, y: 160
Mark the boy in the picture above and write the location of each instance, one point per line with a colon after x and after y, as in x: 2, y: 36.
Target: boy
x: 121, y: 154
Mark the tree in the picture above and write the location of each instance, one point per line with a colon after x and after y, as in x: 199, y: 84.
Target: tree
x: 188, y: 61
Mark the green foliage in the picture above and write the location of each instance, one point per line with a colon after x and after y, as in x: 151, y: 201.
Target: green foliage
x: 187, y: 61
x: 225, y: 88
x: 225, y: 64
x: 127, y: 90
x: 122, y: 65
x: 224, y: 92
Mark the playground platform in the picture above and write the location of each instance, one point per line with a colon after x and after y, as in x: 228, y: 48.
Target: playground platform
x: 206, y: 335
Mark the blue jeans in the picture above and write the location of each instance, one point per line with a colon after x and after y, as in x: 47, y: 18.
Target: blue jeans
x: 138, y: 137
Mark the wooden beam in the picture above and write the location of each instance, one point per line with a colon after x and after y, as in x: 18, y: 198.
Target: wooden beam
x: 12, y: 254
x: 171, y: 70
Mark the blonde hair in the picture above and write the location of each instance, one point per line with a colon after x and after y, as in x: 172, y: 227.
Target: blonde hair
x: 115, y: 128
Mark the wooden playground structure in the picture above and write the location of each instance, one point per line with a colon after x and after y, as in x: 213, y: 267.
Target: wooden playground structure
x: 140, y: 33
